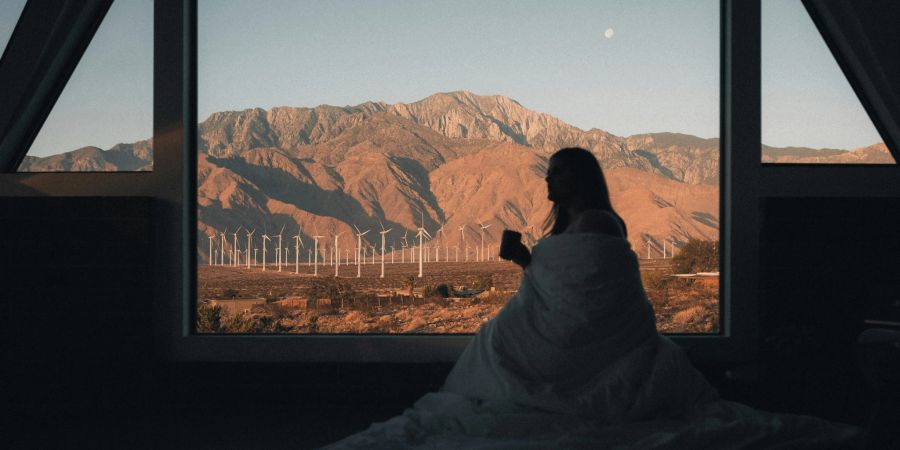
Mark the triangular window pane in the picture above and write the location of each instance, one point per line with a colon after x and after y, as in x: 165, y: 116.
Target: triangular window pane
x: 810, y: 113
x: 103, y: 120
x: 10, y: 10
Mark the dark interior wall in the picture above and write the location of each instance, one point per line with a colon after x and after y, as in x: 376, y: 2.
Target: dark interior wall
x: 826, y: 266
x: 80, y: 358
x: 78, y: 328
x: 79, y: 354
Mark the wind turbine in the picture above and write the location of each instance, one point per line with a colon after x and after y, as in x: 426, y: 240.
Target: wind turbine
x: 384, y: 232
x: 483, y: 227
x: 223, y: 243
x: 249, y: 242
x: 437, y: 247
x: 212, y: 238
x: 403, y: 245
x: 337, y: 254
x: 462, y: 241
x: 235, y: 258
x: 298, y: 242
x: 279, y: 247
x: 651, y: 244
x: 316, y: 252
x: 421, y: 235
x: 265, y: 238
x: 359, y: 235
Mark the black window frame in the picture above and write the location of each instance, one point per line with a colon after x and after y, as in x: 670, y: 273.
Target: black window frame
x: 745, y: 184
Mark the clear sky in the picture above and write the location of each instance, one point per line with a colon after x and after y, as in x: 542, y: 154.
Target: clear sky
x: 109, y: 98
x: 9, y: 11
x: 658, y: 72
x: 806, y: 100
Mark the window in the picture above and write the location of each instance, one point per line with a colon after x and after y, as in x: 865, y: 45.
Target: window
x: 330, y: 133
x: 809, y: 111
x: 103, y: 120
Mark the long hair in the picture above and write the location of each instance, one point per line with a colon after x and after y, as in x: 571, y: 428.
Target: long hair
x: 590, y: 192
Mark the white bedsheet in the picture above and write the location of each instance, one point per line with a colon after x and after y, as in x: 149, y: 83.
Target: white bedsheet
x: 574, y: 361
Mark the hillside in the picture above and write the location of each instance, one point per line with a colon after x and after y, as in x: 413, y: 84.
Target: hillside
x: 452, y: 158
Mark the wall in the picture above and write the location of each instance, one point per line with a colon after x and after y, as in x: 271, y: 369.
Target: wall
x: 78, y: 329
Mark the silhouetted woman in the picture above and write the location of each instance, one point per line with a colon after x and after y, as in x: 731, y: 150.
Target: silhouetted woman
x: 575, y: 350
x: 579, y: 337
x: 580, y: 196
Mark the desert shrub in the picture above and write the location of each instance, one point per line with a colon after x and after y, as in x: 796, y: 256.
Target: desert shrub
x: 688, y: 315
x: 437, y: 300
x: 437, y: 290
x: 215, y: 319
x: 485, y: 282
x: 415, y: 325
x: 654, y: 279
x: 253, y: 323
x: 383, y: 325
x: 697, y: 256
x: 493, y: 298
x: 340, y: 293
x: 276, y: 310
x: 209, y: 318
x: 411, y: 284
x: 700, y: 318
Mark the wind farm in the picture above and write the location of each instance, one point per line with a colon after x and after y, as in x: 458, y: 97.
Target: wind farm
x: 395, y: 284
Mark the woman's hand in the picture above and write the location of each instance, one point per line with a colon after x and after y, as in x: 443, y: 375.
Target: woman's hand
x: 516, y: 252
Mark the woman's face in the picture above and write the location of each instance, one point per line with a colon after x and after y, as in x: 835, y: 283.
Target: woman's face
x: 559, y: 183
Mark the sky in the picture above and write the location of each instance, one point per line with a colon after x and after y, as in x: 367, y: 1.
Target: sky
x: 659, y: 71
x: 9, y: 11
x: 109, y: 97
x: 806, y: 100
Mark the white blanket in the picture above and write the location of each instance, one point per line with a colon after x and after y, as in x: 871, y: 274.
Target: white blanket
x: 574, y: 360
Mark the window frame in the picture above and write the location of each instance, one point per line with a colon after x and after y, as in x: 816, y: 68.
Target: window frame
x: 745, y: 184
x: 388, y: 348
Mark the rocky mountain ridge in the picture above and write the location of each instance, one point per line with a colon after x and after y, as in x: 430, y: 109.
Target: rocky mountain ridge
x: 452, y: 160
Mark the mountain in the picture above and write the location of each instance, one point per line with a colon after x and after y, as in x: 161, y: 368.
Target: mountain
x: 456, y: 159
x: 873, y: 154
x: 121, y: 157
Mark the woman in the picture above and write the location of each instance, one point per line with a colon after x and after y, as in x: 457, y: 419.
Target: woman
x: 574, y: 359
x: 579, y: 337
x: 577, y: 188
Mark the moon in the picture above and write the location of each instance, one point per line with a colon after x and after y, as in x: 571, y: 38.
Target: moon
x: 609, y: 33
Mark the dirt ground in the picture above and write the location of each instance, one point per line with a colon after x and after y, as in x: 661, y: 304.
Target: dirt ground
x: 383, y: 305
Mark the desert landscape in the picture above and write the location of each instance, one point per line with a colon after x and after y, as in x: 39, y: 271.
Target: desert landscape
x: 241, y: 300
x: 450, y: 171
